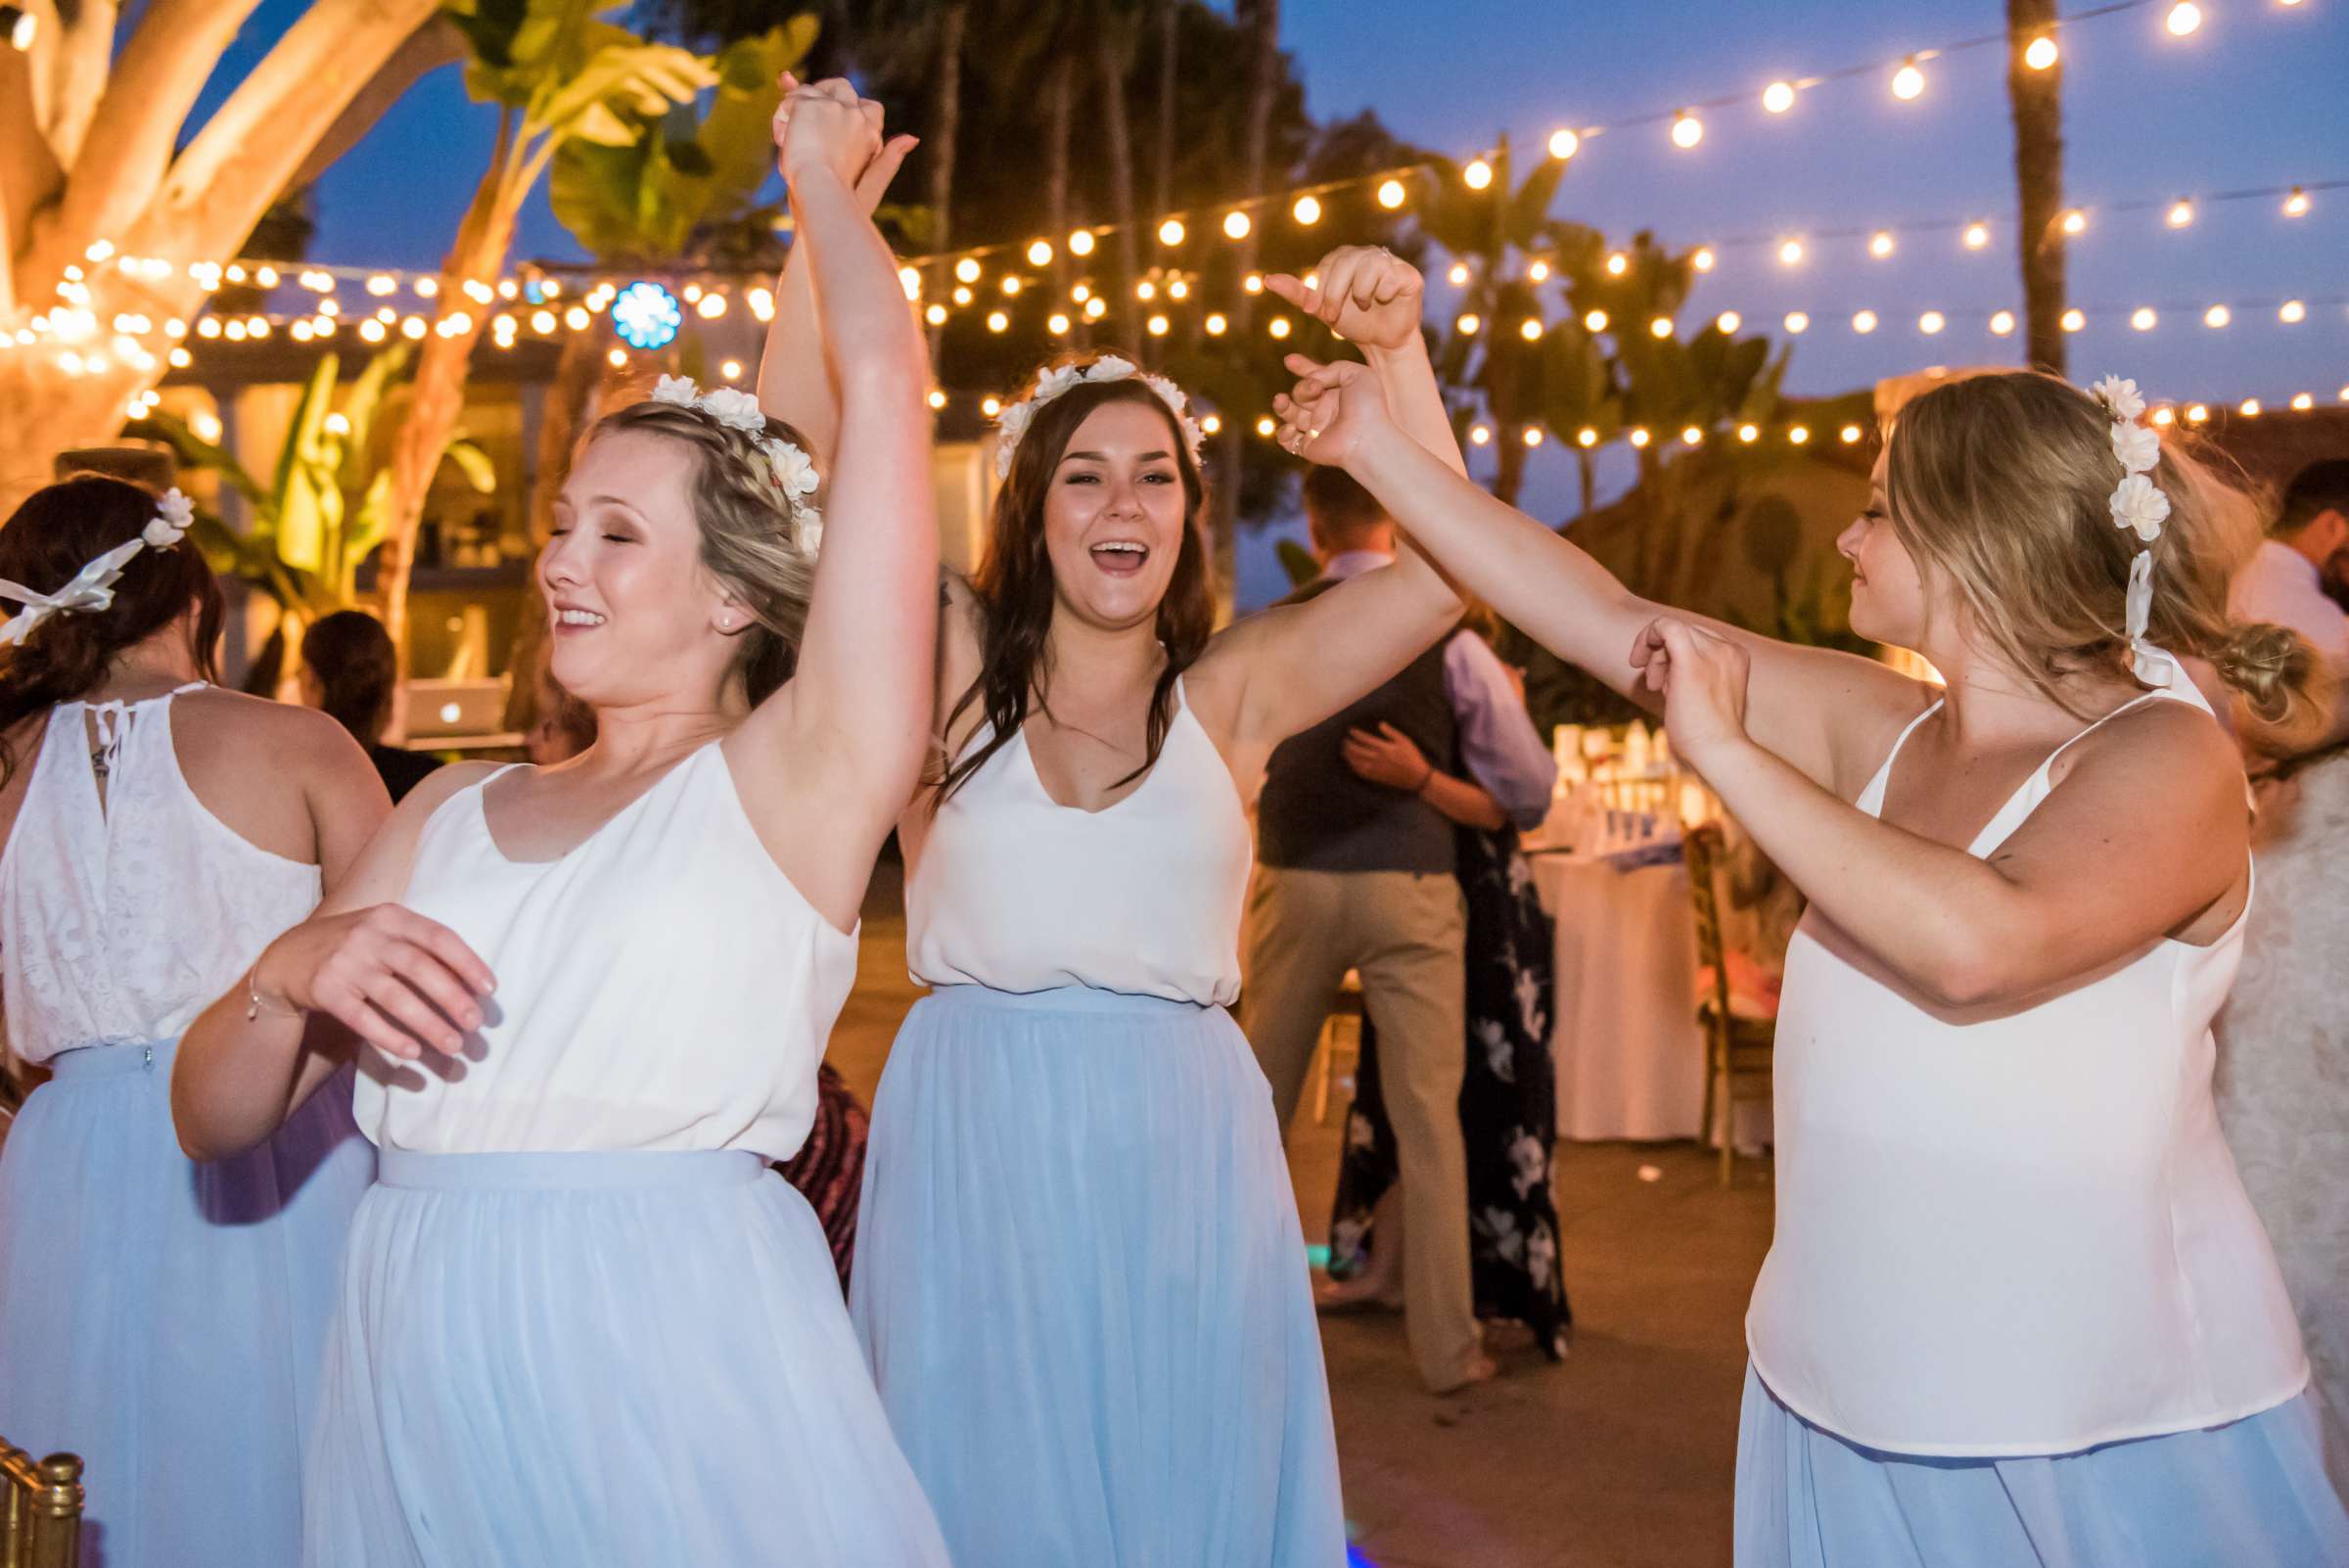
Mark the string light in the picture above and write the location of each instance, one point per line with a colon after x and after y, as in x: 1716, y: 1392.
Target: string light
x: 1080, y: 243
x: 1931, y: 322
x: 966, y: 270
x: 1880, y: 244
x: 1660, y: 327
x: 1237, y: 224
x: 2295, y: 205
x: 2145, y: 319
x: 1977, y: 234
x: 1799, y: 434
x: 2217, y: 315
x: 1390, y: 194
x: 1564, y: 144
x: 1145, y: 290
x: 1864, y: 322
x: 1851, y: 435
x: 1778, y: 97
x: 1040, y: 251
x: 1012, y: 284
x: 1264, y: 426
x: 962, y: 293
x: 2183, y: 18
x: 1307, y: 210
x: 2249, y: 408
x: 1479, y: 435
x: 1692, y: 437
x: 1057, y: 324
x: 2040, y: 52
x: 938, y: 399
x: 998, y: 321
x: 1478, y: 174
x: 1909, y: 81
x: 1595, y: 321
x: 1537, y: 272
x: 2180, y: 214
x: 935, y: 315
x: 1728, y: 321
x: 1254, y: 283
x: 1703, y: 259
x: 1532, y: 435
x: 2292, y: 312
x: 1639, y: 436
x: 2075, y: 221
x: 1618, y: 264
x: 991, y: 406
x: 2003, y: 323
x: 1529, y: 329
x: 1790, y: 253
x: 1749, y: 434
x: 2303, y: 402
x: 1215, y: 323
x: 1210, y: 425
x: 1458, y: 275
x: 1095, y: 309
x: 1687, y: 130
x: 1158, y: 326
x: 1279, y: 327
x: 1587, y: 437
x: 1467, y: 324
x: 2073, y: 319
x: 1797, y: 322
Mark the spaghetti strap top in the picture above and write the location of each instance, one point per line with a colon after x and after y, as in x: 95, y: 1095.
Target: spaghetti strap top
x: 121, y: 919
x: 661, y: 985
x: 1018, y: 893
x: 2012, y: 1232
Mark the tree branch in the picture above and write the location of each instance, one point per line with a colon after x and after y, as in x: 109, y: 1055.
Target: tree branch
x: 436, y: 44
x: 245, y: 154
x: 153, y: 85
x: 28, y: 173
x: 75, y: 74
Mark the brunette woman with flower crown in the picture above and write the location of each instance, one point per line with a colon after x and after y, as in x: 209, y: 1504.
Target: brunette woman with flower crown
x: 161, y: 1318
x: 2018, y: 1309
x: 583, y: 1322
x: 1080, y: 1276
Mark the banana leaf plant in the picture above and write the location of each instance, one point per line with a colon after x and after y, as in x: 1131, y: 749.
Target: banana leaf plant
x: 325, y: 505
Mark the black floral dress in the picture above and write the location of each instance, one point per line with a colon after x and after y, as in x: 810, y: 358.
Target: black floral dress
x: 1508, y: 1106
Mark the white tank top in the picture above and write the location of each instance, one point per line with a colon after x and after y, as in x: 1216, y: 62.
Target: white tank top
x: 1017, y: 892
x: 2017, y: 1234
x: 120, y: 923
x: 663, y: 985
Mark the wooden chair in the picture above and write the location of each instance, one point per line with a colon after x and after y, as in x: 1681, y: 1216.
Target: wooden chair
x: 1738, y: 1050
x: 40, y: 1510
x: 1341, y: 1035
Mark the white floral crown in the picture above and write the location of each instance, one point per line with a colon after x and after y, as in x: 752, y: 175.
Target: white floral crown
x: 2137, y: 504
x: 1013, y: 422
x: 93, y: 586
x: 791, y: 470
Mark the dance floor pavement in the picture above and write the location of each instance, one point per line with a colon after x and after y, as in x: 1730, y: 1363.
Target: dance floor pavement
x: 1620, y: 1457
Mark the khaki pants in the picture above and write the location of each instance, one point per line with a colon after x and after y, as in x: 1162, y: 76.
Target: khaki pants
x: 1404, y: 932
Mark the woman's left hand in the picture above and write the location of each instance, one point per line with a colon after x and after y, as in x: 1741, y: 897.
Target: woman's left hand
x: 1387, y: 756
x: 1702, y: 678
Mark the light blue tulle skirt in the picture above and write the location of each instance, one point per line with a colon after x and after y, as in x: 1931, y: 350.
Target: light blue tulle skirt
x: 1083, y: 1289
x: 2252, y: 1494
x: 600, y: 1361
x: 167, y: 1320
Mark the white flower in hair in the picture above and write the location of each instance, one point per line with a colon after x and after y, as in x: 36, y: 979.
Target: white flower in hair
x: 678, y: 389
x: 2138, y: 448
x: 2137, y: 503
x: 795, y: 470
x: 731, y: 405
x: 2119, y: 396
x: 174, y: 514
x: 811, y: 530
x: 2144, y: 656
x: 1012, y: 422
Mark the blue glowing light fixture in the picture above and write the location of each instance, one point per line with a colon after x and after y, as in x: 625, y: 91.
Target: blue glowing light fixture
x: 646, y: 315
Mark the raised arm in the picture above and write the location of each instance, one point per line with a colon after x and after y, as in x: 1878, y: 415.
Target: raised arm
x: 2095, y: 873
x: 794, y: 383
x: 840, y: 746
x: 1294, y: 666
x: 1826, y: 712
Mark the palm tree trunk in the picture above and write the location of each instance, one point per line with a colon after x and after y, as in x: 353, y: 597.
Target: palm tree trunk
x: 1163, y: 187
x: 2036, y: 97
x: 1060, y: 104
x: 952, y: 25
x: 576, y: 373
x: 1112, y: 54
x: 1261, y: 19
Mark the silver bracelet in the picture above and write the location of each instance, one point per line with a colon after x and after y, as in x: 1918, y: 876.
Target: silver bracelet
x: 255, y: 1000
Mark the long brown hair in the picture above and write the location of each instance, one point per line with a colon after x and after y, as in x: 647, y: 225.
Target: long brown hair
x: 749, y: 534
x: 2004, y: 482
x: 1016, y: 593
x: 59, y: 530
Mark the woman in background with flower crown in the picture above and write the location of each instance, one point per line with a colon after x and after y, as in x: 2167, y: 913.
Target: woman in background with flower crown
x: 583, y: 1322
x: 1080, y: 1276
x: 2018, y: 1309
x: 163, y: 1320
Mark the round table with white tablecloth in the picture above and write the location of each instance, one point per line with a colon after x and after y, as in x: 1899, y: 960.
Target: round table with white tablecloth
x: 1631, y: 1058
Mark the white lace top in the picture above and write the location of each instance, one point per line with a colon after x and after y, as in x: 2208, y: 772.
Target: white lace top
x: 120, y: 923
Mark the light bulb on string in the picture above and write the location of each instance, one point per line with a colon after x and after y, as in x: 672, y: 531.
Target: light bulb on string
x: 1537, y: 272
x: 1468, y: 323
x: 2217, y: 315
x: 998, y: 321
x: 1478, y: 174
x: 1639, y: 436
x: 1457, y: 277
x: 1254, y: 283
x: 1529, y: 329
x: 1595, y: 320
x: 1057, y: 324
x: 1565, y: 143
x: 2073, y: 320
x: 2183, y: 18
x: 1178, y: 289
x: 1479, y: 435
x: 2304, y: 401
x: 1307, y: 210
x: 2248, y: 408
x: 935, y: 314
x: 1977, y: 234
x: 1931, y: 322
x: 966, y: 270
x: 1237, y: 224
x: 1532, y: 435
x: 1851, y: 435
x: 1390, y: 194
x: 1040, y: 252
x: 1279, y: 327
x: 1778, y: 97
x: 1158, y: 326
x: 2295, y: 205
x: 2292, y: 312
x: 1171, y: 232
x: 1790, y: 253
x: 1687, y: 130
x: 962, y: 295
x: 1585, y: 437
x: 1799, y: 434
x: 1660, y: 327
x: 938, y: 399
x: 1909, y: 81
x: 2180, y: 214
x: 1080, y: 243
x: 1727, y: 322
x: 990, y: 406
x: 1797, y: 322
x: 1217, y: 323
x: 1692, y: 437
x: 2075, y: 221
x: 1864, y: 322
x: 2144, y: 319
x: 2040, y: 52
x: 2002, y: 324
x: 1749, y: 434
x: 1880, y: 244
x: 1618, y: 264
x: 1266, y: 426
x: 1210, y: 424
x: 1703, y: 259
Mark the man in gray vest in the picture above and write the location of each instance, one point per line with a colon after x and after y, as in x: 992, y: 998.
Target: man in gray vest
x: 1353, y: 874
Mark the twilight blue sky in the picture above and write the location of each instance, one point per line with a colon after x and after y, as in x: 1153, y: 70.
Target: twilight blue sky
x: 2258, y: 96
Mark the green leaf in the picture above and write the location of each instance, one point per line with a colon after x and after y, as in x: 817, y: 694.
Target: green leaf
x: 474, y: 463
